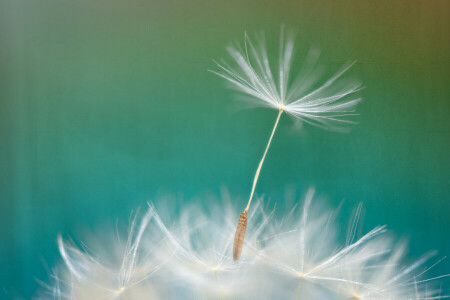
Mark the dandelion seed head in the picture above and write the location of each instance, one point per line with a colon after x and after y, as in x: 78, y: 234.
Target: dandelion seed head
x: 189, y: 255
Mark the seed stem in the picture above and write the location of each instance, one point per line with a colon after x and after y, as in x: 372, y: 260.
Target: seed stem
x: 242, y: 225
x: 218, y: 284
x: 255, y: 180
x: 297, y: 294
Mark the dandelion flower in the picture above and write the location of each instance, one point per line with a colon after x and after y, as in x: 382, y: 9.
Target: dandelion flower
x: 252, y: 74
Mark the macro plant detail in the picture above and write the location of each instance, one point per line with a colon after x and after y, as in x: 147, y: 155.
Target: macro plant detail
x: 199, y: 253
x: 252, y: 74
x: 189, y: 255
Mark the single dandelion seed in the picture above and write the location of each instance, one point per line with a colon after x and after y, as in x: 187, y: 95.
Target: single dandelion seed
x: 252, y: 75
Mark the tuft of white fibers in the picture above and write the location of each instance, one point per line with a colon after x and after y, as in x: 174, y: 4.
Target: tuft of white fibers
x: 112, y: 267
x: 306, y: 250
x: 253, y: 73
x: 203, y: 264
x: 387, y: 278
x: 188, y: 255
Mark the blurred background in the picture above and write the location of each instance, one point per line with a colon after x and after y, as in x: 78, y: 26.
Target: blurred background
x: 108, y: 104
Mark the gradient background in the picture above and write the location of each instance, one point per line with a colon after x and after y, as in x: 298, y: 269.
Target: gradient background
x: 107, y: 104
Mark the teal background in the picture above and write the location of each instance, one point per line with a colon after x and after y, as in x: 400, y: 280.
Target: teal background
x: 108, y: 104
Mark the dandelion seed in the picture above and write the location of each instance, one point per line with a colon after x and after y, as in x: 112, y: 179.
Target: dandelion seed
x: 308, y: 251
x: 90, y: 277
x: 253, y: 75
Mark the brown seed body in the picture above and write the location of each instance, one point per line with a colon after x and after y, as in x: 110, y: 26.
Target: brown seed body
x: 239, y: 236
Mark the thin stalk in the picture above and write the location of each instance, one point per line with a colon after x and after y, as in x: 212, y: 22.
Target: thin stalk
x: 218, y: 284
x: 297, y: 294
x: 242, y: 225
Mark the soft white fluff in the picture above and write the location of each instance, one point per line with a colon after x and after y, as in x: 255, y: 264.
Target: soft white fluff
x: 188, y: 256
x: 252, y: 72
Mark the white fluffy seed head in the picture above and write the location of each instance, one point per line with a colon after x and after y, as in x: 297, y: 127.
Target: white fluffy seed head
x: 189, y: 255
x: 253, y: 73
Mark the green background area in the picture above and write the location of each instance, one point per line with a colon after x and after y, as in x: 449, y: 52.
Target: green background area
x: 108, y: 104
